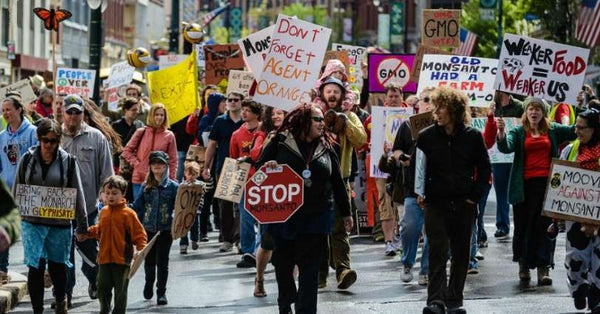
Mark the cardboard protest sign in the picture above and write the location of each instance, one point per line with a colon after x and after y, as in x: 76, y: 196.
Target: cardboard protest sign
x: 540, y: 68
x: 166, y: 61
x: 385, y: 124
x: 420, y: 121
x: 441, y: 28
x: 420, y: 172
x: 423, y: 50
x: 46, y: 202
x: 196, y: 153
x: 176, y: 87
x: 292, y: 64
x: 239, y: 81
x: 23, y: 88
x: 75, y: 81
x: 220, y: 59
x: 496, y: 157
x: 121, y: 74
x: 137, y: 260
x: 334, y: 54
x: 232, y: 180
x: 473, y: 76
x: 573, y: 193
x: 356, y: 55
x: 186, y: 206
x: 255, y: 47
x: 390, y: 68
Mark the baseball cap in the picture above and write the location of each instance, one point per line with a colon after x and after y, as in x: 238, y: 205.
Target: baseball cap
x: 160, y: 156
x: 73, y: 101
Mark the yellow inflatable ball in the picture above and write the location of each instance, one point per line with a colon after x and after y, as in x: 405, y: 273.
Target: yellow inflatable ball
x: 192, y: 33
x: 138, y: 57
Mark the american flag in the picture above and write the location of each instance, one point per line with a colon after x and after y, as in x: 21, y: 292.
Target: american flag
x: 467, y: 43
x: 588, y: 22
x: 212, y: 14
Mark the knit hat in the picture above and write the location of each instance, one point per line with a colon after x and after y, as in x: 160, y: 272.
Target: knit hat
x: 160, y: 156
x: 536, y: 100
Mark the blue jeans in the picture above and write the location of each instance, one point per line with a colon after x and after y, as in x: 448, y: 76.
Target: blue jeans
x: 411, y: 228
x: 481, y: 234
x: 4, y: 261
x: 474, y: 247
x: 180, y: 164
x: 249, y: 239
x: 193, y: 233
x: 136, y: 188
x: 501, y: 176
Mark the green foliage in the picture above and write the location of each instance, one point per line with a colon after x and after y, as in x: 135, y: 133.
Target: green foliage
x: 316, y: 14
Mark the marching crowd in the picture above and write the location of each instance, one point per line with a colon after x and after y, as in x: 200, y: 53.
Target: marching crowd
x: 127, y: 165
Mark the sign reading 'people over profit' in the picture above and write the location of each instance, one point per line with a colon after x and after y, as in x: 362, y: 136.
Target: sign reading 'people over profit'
x: 46, y: 202
x: 441, y: 28
x: 292, y: 64
x: 390, y: 68
x: 573, y: 193
x: 540, y: 68
x: 473, y: 76
x: 75, y: 81
x: 255, y: 47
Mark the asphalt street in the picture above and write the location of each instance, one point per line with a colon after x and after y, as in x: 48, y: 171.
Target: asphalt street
x: 206, y: 281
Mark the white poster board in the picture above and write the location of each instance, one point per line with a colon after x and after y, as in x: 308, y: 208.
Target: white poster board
x: 240, y: 82
x: 385, y: 123
x: 75, y: 81
x: 46, y: 202
x: 166, y: 61
x: 23, y: 88
x: 255, y: 47
x: 121, y: 74
x: 356, y: 55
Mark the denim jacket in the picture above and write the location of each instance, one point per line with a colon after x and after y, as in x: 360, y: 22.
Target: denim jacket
x: 155, y: 206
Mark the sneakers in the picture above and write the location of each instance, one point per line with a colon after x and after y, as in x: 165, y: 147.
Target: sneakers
x: 183, y: 249
x: 434, y: 308
x: 248, y: 261
x: 500, y: 235
x: 93, y: 291
x: 347, y: 278
x: 195, y: 245
x: 162, y: 300
x: 390, y: 250
x: 203, y: 238
x: 407, y: 275
x: 479, y: 256
x: 473, y: 270
x: 148, y: 291
x: 226, y: 247
x: 483, y: 244
x: 423, y: 280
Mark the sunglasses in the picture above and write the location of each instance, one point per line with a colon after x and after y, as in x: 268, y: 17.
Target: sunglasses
x: 317, y: 119
x: 233, y: 99
x: 426, y: 99
x: 74, y: 112
x: 46, y: 140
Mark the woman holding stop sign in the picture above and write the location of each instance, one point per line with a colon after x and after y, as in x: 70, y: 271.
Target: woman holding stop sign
x: 301, y: 144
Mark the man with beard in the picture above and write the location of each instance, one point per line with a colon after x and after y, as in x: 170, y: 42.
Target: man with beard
x: 95, y: 164
x: 345, y: 126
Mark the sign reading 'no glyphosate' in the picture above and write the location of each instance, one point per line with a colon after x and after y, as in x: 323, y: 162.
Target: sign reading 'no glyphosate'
x: 274, y: 195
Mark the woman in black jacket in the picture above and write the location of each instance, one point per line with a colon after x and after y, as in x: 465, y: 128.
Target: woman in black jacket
x: 301, y: 144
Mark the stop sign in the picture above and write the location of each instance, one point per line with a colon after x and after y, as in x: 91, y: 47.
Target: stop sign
x: 274, y: 195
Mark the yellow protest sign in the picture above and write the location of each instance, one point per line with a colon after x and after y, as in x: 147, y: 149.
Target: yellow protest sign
x: 176, y: 87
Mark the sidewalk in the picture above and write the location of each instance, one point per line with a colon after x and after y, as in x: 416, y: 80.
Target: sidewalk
x: 13, y: 292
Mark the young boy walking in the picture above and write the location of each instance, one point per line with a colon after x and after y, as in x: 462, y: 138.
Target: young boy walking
x: 118, y: 230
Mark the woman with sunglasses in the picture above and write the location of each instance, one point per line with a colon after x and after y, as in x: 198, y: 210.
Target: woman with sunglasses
x: 48, y: 240
x: 301, y: 144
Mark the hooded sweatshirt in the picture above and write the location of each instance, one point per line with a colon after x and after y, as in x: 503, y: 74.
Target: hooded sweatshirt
x: 154, y: 207
x: 206, y: 122
x: 14, y: 145
x: 332, y: 66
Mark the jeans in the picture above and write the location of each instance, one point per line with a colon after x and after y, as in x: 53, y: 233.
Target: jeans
x: 501, y: 176
x: 156, y: 265
x: 4, y: 261
x: 180, y: 164
x: 473, y: 263
x: 481, y: 234
x: 193, y: 233
x: 136, y: 190
x: 249, y: 239
x: 411, y: 228
x: 89, y: 249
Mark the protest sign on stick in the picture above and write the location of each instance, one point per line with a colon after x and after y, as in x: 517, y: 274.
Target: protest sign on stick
x: 255, y: 47
x: 356, y: 55
x: 75, y: 81
x: 121, y: 74
x: 186, y: 206
x: 166, y: 61
x: 240, y: 82
x: 441, y: 28
x: 539, y: 68
x: 420, y: 172
x: 46, y: 201
x: 423, y: 50
x: 573, y: 193
x: 196, y: 153
x: 232, y: 180
x: 23, y: 88
x: 292, y: 64
x: 335, y: 54
x: 473, y: 76
x: 390, y: 68
x: 385, y: 124
x: 220, y: 59
x: 137, y: 260
x: 420, y: 121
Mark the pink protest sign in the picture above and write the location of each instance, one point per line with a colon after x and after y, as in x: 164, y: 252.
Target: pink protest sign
x: 390, y: 68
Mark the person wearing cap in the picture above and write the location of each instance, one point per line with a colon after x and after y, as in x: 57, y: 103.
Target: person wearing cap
x: 345, y: 126
x: 154, y: 207
x: 534, y: 144
x: 95, y: 161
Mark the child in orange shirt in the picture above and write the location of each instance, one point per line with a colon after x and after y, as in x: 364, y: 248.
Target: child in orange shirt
x: 118, y: 230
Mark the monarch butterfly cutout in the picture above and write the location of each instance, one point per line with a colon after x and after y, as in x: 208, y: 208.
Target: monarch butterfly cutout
x: 52, y: 17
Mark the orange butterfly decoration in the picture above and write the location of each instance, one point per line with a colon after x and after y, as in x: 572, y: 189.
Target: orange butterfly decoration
x: 52, y: 17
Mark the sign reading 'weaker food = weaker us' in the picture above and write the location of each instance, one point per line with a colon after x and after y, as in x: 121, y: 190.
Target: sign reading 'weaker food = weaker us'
x: 292, y: 64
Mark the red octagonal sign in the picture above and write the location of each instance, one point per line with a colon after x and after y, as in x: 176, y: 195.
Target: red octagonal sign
x: 274, y: 195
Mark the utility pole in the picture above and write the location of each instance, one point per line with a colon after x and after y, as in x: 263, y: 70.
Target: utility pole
x: 500, y: 13
x: 174, y: 31
x: 95, y: 30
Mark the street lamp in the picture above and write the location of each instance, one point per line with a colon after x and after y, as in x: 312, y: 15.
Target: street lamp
x: 95, y: 42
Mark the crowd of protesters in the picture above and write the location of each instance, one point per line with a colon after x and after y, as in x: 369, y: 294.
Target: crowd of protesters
x: 133, y: 161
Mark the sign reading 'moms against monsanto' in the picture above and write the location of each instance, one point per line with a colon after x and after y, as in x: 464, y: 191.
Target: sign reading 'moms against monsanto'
x: 540, y: 68
x: 573, y: 193
x: 46, y: 202
x: 473, y: 76
x: 75, y: 81
x: 441, y: 28
x: 255, y: 47
x: 292, y: 64
x: 390, y: 68
x: 356, y: 55
x: 219, y: 60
